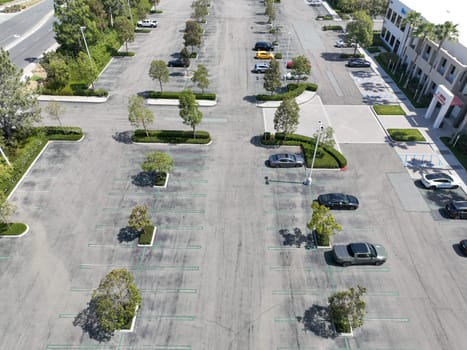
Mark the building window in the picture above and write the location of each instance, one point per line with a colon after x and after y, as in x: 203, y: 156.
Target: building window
x: 426, y: 55
x: 398, y: 21
x: 403, y: 25
x: 383, y: 32
x: 388, y: 15
x: 393, y: 17
x: 442, y: 66
x: 386, y: 37
x: 419, y: 72
x: 453, y: 69
x: 433, y: 87
x: 391, y: 41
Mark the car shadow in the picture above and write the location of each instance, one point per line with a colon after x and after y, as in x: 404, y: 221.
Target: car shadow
x: 458, y: 250
x: 443, y: 197
x: 144, y: 94
x: 329, y: 259
x: 177, y: 74
x: 250, y: 98
x: 316, y: 319
x: 444, y: 214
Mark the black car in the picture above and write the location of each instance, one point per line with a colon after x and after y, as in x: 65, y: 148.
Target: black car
x: 264, y: 46
x: 179, y: 62
x: 338, y: 201
x: 357, y: 62
x: 457, y: 209
x: 463, y: 246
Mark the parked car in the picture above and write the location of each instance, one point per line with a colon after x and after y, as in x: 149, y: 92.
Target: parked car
x: 290, y: 76
x: 264, y: 55
x: 179, y: 62
x: 457, y: 209
x: 261, y: 67
x: 338, y: 201
x: 147, y: 23
x: 286, y: 160
x: 358, y: 62
x: 264, y: 46
x: 342, y: 43
x: 359, y: 253
x: 438, y: 180
x: 463, y: 246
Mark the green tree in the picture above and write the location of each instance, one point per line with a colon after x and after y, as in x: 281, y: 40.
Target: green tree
x: 70, y: 18
x: 156, y: 3
x: 442, y: 33
x: 6, y: 208
x: 200, y: 77
x: 412, y: 20
x: 139, y: 218
x: 192, y: 36
x: 286, y: 116
x: 158, y: 163
x: 114, y: 8
x: 272, y: 77
x: 188, y: 110
x: 19, y: 109
x: 347, y: 309
x: 326, y: 137
x: 125, y: 30
x: 116, y: 300
x: 140, y: 8
x: 57, y: 70
x: 138, y: 115
x: 200, y: 9
x: 360, y: 30
x: 300, y: 66
x: 270, y: 11
x: 323, y: 223
x: 54, y: 110
x: 159, y: 71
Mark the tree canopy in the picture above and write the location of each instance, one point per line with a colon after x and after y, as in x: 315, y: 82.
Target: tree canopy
x: 200, y: 77
x: 138, y: 114
x: 19, y: 108
x: 272, y: 77
x: 158, y: 70
x: 139, y: 218
x: 286, y: 117
x: 188, y: 110
x: 360, y: 30
x: 347, y: 308
x: 158, y: 162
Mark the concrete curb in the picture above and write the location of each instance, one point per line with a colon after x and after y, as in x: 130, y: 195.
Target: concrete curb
x: 17, y: 236
x: 83, y: 99
x: 305, y: 97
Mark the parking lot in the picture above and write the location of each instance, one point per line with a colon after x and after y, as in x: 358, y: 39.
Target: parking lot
x: 223, y: 274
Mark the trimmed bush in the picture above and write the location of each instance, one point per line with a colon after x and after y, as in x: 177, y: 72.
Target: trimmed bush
x: 142, y: 30
x: 278, y: 56
x: 171, y: 136
x: 174, y: 95
x: 322, y: 240
x: 193, y: 55
x: 351, y: 55
x: 293, y: 90
x: 61, y: 133
x: 460, y: 150
x: 332, y: 27
x: 14, y: 229
x: 373, y: 49
x: 146, y: 236
x: 124, y: 54
x: 406, y: 135
x: 324, y: 17
x: 388, y: 110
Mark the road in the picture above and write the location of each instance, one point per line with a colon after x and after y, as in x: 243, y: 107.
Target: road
x: 220, y: 275
x: 29, y: 33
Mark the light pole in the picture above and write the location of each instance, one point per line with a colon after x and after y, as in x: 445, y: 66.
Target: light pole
x: 287, y: 52
x: 129, y: 8
x: 82, y: 28
x: 308, y: 180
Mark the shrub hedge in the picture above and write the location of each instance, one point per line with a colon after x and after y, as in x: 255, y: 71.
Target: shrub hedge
x: 171, y: 136
x: 61, y: 133
x: 326, y: 157
x: 69, y: 91
x: 351, y: 55
x: 146, y: 236
x: 293, y: 90
x: 410, y: 135
x: 332, y: 27
x: 123, y: 54
x: 14, y: 229
x: 176, y: 94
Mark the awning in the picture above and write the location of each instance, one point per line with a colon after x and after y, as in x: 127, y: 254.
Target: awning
x: 456, y: 101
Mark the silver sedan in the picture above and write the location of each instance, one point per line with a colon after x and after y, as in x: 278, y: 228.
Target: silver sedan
x: 286, y: 160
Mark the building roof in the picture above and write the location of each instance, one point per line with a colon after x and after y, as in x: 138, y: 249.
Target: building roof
x: 440, y: 11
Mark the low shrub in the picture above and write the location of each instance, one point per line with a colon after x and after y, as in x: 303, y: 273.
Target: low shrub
x: 324, y: 17
x: 146, y: 235
x: 13, y: 8
x: 123, y: 54
x: 293, y: 90
x: 278, y: 56
x: 193, y: 55
x: 160, y: 179
x: 322, y: 240
x: 171, y: 136
x: 68, y: 91
x: 14, y: 229
x: 176, y: 94
x: 351, y: 55
x: 388, y: 110
x: 61, y: 133
x: 142, y: 30
x: 373, y: 49
x: 406, y: 135
x: 332, y: 27
x: 459, y: 150
x: 342, y: 325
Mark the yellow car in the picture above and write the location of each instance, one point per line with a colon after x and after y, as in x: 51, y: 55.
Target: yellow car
x: 264, y: 55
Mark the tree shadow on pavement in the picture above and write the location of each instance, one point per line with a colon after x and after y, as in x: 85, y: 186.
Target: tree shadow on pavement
x: 316, y: 319
x: 143, y: 179
x: 88, y: 321
x: 127, y: 234
x: 123, y: 137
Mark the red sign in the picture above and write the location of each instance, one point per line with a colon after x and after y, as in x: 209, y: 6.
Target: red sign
x: 441, y: 98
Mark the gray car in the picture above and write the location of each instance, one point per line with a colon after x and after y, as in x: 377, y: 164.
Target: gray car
x: 286, y: 160
x: 360, y: 253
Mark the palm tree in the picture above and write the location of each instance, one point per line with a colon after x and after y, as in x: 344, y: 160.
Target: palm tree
x: 442, y: 32
x: 423, y: 31
x: 413, y: 20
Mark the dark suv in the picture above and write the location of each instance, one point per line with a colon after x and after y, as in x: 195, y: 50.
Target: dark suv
x: 264, y: 46
x: 457, y: 209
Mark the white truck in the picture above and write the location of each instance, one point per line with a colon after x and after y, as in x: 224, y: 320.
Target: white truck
x: 147, y: 23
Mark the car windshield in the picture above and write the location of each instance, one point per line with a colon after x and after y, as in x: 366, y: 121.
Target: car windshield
x: 438, y: 176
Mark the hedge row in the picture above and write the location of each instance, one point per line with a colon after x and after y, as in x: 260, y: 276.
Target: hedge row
x: 293, y: 90
x: 146, y: 236
x: 123, y: 54
x: 175, y: 95
x: 69, y: 91
x: 332, y: 27
x: 171, y: 136
x: 326, y: 157
x: 61, y: 133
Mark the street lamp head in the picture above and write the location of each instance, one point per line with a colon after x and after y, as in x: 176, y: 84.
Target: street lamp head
x: 82, y: 27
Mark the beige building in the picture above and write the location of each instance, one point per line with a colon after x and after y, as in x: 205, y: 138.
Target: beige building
x: 445, y: 72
